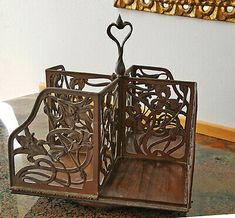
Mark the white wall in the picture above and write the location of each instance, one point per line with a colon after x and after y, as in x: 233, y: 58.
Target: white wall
x: 36, y: 34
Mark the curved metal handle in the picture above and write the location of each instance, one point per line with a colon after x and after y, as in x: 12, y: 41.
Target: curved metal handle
x: 120, y: 66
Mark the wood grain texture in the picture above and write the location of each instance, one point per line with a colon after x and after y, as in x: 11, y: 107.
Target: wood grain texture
x: 216, y: 130
x: 158, y: 181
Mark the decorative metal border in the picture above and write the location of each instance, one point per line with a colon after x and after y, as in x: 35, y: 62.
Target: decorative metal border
x: 222, y: 10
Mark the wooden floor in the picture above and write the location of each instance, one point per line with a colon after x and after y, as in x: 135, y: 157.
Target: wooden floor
x: 157, y: 181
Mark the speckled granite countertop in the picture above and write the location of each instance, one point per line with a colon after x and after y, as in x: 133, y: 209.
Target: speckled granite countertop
x: 213, y: 189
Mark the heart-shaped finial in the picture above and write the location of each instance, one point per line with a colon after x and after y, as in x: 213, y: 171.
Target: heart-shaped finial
x: 120, y: 67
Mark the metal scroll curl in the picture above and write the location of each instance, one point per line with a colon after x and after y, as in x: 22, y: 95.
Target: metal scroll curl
x: 222, y: 10
x: 61, y: 158
x: 153, y: 120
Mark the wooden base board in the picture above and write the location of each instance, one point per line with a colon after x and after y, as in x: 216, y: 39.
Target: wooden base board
x: 203, y: 127
x: 216, y: 130
x: 158, y: 181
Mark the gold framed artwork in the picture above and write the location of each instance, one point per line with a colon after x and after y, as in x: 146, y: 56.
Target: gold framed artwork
x: 222, y: 10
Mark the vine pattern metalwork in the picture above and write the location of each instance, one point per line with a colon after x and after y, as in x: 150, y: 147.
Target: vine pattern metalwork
x: 59, y: 78
x: 62, y: 158
x: 134, y: 116
x: 153, y: 119
x: 109, y: 131
x: 138, y: 71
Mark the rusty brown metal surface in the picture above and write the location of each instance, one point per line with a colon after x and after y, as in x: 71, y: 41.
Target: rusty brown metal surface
x: 101, y: 131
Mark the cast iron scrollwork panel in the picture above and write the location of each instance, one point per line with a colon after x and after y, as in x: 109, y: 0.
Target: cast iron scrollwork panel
x: 63, y: 158
x: 138, y: 71
x: 59, y: 78
x: 109, y: 128
x: 70, y: 111
x: 153, y: 124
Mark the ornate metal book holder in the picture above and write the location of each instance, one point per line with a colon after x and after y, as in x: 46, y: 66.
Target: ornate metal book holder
x: 131, y: 143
